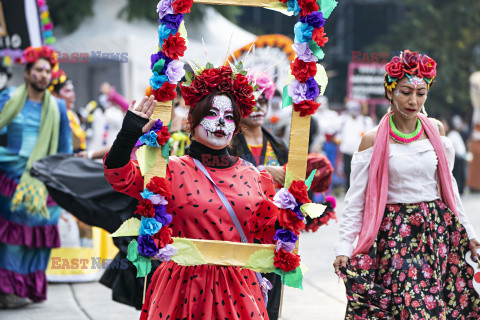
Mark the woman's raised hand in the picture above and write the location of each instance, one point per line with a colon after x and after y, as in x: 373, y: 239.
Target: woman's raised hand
x: 145, y: 110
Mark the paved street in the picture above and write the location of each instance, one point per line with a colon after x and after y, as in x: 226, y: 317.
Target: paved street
x: 322, y: 298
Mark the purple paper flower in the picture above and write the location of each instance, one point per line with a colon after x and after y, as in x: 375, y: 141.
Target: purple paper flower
x: 164, y: 7
x: 287, y: 246
x: 158, y: 199
x: 166, y: 253
x: 175, y: 71
x: 172, y: 21
x: 146, y: 246
x: 285, y: 235
x: 297, y: 91
x: 315, y: 19
x: 157, y: 126
x: 298, y: 212
x: 154, y: 58
x: 284, y: 199
x: 265, y: 285
x: 304, y: 53
x: 312, y: 89
x: 162, y: 216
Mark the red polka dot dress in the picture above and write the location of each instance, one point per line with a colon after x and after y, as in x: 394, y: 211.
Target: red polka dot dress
x: 205, y: 291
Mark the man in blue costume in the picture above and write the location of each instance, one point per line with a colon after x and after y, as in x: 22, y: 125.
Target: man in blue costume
x: 33, y: 125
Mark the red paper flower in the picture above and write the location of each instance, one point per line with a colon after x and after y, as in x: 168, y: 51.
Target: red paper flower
x: 160, y: 186
x: 174, y: 46
x: 31, y: 54
x: 318, y: 35
x: 307, y: 7
x: 226, y: 71
x: 410, y: 61
x: 163, y: 135
x: 306, y: 107
x: 163, y: 237
x: 166, y: 92
x: 302, y: 70
x: 182, y: 6
x: 299, y: 190
x: 262, y: 224
x: 395, y: 68
x: 289, y: 219
x: 286, y: 261
x: 145, y: 208
x: 427, y: 67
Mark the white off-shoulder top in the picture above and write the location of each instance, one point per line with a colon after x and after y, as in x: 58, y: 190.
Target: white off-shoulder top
x: 411, y: 179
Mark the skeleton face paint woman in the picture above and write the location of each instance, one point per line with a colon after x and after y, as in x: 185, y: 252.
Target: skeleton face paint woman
x: 217, y: 128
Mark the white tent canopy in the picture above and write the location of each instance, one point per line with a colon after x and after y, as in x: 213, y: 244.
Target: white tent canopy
x: 107, y: 33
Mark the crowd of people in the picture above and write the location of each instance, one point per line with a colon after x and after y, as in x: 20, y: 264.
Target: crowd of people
x: 379, y: 164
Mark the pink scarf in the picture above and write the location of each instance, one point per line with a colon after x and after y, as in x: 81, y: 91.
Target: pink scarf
x: 377, y: 188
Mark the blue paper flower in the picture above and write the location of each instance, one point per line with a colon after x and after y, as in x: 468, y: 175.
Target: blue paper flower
x: 156, y: 80
x: 163, y: 33
x: 285, y: 235
x: 146, y: 246
x: 292, y: 5
x: 146, y: 194
x: 150, y: 139
x: 149, y: 226
x: 303, y: 32
x: 312, y: 89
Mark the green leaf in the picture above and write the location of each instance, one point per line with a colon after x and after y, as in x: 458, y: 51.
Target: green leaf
x: 327, y: 6
x: 166, y: 151
x: 287, y: 100
x: 132, y: 251
x: 313, y: 210
x: 308, y: 182
x: 209, y: 65
x: 261, y: 261
x: 239, y: 66
x: 143, y: 265
x: 243, y: 72
x: 316, y: 49
x: 292, y: 278
x: 158, y: 66
x: 188, y: 253
x: 288, y: 179
x: 188, y: 77
x: 128, y: 228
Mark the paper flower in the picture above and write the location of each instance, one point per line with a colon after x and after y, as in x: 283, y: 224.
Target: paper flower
x: 303, y: 32
x: 312, y: 89
x: 158, y: 199
x: 284, y: 199
x: 145, y: 208
x: 287, y: 246
x: 304, y: 52
x: 292, y: 6
x: 162, y: 216
x: 289, y: 219
x: 160, y: 186
x: 149, y: 226
x: 156, y: 80
x: 157, y: 126
x: 174, y: 46
x: 285, y: 235
x: 318, y: 35
x: 297, y: 91
x: 164, y: 7
x: 307, y: 7
x: 146, y: 194
x: 172, y: 21
x: 163, y: 136
x: 175, y: 71
x: 146, y: 246
x: 286, y: 261
x: 149, y: 139
x: 166, y: 253
x: 166, y: 93
x: 300, y: 191
x: 163, y: 237
x: 182, y: 6
x: 164, y: 32
x: 302, y: 70
x: 315, y: 19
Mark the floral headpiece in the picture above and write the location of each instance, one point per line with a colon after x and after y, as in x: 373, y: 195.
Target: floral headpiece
x: 32, y: 54
x: 58, y: 79
x: 410, y: 64
x: 230, y: 79
x: 264, y: 82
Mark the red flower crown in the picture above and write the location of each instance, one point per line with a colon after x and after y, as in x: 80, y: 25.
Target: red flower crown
x: 32, y: 54
x: 408, y: 64
x: 226, y: 79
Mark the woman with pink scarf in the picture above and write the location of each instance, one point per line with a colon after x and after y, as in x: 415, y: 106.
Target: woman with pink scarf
x: 404, y: 206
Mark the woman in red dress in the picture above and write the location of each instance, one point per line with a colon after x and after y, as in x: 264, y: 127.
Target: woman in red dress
x: 203, y: 291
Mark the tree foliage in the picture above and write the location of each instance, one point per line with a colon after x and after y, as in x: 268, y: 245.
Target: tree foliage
x: 69, y: 14
x: 448, y: 32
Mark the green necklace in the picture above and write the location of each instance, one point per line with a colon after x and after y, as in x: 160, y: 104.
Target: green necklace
x: 402, y: 137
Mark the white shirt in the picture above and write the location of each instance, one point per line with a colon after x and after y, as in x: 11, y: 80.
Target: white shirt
x: 352, y: 132
x: 458, y: 144
x: 411, y: 179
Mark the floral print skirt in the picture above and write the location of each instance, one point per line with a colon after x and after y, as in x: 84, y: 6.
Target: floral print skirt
x: 416, y: 268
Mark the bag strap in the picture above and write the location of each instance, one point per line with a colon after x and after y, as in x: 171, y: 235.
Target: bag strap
x: 224, y: 200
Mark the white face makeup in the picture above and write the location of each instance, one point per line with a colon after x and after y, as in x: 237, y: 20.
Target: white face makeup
x: 400, y: 111
x: 217, y: 128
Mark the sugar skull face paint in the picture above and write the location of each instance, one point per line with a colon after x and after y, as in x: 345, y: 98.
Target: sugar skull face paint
x: 217, y: 128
